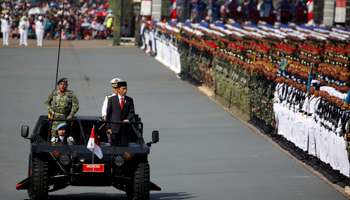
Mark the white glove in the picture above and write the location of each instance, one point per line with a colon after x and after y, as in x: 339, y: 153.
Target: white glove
x: 53, y: 139
x: 70, y: 139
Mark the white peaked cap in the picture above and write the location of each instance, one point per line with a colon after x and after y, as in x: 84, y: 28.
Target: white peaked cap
x: 113, y: 80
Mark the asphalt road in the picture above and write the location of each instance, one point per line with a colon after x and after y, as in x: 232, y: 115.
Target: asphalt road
x: 203, y: 153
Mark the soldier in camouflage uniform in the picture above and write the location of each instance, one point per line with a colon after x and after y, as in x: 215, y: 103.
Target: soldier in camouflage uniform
x: 261, y: 98
x: 61, y: 103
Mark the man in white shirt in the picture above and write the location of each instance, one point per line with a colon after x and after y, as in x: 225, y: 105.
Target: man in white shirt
x: 142, y: 29
x: 5, y: 28
x: 23, y: 31
x: 39, y: 30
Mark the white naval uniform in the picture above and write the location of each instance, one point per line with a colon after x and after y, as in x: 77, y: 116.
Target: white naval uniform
x: 5, y: 29
x: 39, y: 30
x: 308, y: 134
x: 143, y: 25
x: 23, y: 31
x: 105, y: 103
x: 146, y: 35
x: 152, y: 33
x: 104, y: 111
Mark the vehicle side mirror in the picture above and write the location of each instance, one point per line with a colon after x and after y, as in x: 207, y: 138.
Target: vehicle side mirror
x: 155, y: 136
x: 25, y: 131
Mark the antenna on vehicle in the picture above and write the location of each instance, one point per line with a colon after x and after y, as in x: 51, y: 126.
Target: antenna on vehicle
x: 59, y: 46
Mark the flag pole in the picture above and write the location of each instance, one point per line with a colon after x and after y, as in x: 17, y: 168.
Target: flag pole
x: 93, y: 149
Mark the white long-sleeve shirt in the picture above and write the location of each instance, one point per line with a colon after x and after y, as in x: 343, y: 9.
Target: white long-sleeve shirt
x: 105, y: 103
x: 5, y: 25
x: 39, y: 26
x: 142, y: 28
x: 23, y: 26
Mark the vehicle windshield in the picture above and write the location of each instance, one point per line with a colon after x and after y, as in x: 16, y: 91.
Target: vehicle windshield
x: 81, y: 130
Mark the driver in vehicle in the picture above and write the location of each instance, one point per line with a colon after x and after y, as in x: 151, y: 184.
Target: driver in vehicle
x: 61, y: 135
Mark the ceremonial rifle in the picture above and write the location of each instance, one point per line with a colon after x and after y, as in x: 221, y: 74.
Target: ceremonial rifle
x: 51, y: 115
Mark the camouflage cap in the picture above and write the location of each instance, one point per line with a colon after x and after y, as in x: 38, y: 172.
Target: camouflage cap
x: 62, y: 80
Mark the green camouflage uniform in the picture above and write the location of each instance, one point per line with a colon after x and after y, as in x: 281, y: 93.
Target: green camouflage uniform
x: 206, y: 75
x: 62, y: 105
x: 184, y: 51
x: 231, y: 81
x: 261, y: 99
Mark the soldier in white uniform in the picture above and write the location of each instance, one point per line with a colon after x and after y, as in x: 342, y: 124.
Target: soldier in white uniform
x: 1, y: 18
x: 5, y: 28
x: 105, y: 103
x: 146, y: 35
x: 142, y: 29
x: 23, y: 31
x: 39, y: 30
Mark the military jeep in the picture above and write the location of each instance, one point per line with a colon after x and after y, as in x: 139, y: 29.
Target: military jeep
x: 54, y: 166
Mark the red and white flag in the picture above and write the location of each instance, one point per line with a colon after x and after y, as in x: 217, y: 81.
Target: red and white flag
x: 173, y: 10
x: 310, y: 11
x: 93, y: 145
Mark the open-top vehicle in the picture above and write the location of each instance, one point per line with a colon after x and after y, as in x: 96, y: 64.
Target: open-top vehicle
x: 54, y: 166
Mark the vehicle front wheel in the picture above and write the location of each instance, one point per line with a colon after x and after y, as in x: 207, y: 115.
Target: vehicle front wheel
x: 141, y: 182
x: 39, y: 182
x: 29, y: 170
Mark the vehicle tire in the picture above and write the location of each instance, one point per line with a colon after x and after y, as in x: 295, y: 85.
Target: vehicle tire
x: 30, y: 165
x: 29, y: 170
x: 141, y: 182
x: 39, y: 183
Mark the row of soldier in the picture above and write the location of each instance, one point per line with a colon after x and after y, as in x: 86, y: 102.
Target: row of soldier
x: 23, y: 30
x: 242, y: 63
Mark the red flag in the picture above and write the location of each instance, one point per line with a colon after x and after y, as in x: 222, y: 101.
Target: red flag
x: 163, y: 28
x: 151, y: 23
x: 93, y: 145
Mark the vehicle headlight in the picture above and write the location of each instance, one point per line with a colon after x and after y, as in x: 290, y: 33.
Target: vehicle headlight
x: 119, y: 161
x: 64, y: 160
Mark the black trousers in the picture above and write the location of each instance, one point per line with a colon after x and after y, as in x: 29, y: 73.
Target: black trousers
x: 121, y: 137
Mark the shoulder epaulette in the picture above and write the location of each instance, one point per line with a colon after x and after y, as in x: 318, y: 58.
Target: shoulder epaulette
x: 108, y: 95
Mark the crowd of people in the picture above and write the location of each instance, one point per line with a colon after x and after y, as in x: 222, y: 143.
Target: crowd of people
x: 85, y: 20
x: 286, y: 11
